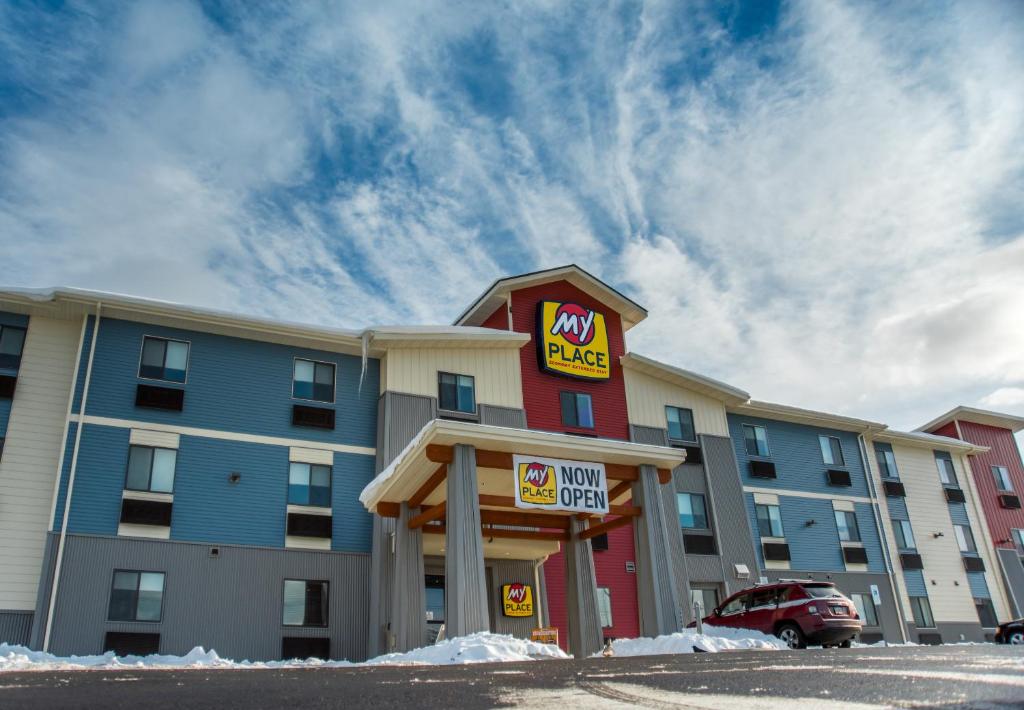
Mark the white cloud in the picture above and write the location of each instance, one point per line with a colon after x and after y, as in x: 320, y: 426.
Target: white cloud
x: 1005, y: 397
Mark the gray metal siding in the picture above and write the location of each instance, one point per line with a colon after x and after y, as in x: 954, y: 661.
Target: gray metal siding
x: 502, y: 416
x: 231, y: 603
x: 648, y: 435
x: 1013, y: 576
x: 508, y: 572
x: 15, y: 627
x: 728, y: 509
x: 401, y: 417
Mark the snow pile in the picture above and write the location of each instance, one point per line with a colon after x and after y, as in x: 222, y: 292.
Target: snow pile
x: 477, y: 648
x: 714, y: 639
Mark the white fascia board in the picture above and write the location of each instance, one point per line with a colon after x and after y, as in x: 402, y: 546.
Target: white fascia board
x: 685, y: 378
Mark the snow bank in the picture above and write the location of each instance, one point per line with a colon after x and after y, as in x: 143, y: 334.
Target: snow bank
x: 476, y: 648
x: 714, y: 639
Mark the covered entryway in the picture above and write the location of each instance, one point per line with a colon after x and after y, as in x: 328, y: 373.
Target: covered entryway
x: 452, y: 496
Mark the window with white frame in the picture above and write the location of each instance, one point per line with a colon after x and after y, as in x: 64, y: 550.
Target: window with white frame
x: 309, y: 484
x: 456, y: 393
x: 163, y: 359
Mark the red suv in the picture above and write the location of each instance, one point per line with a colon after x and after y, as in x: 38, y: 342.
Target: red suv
x: 798, y: 612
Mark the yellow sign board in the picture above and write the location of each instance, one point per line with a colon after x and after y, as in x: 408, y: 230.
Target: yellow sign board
x: 545, y: 634
x: 573, y: 341
x: 517, y: 599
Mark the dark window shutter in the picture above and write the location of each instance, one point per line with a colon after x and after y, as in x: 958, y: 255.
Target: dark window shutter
x: 838, y: 478
x: 146, y: 512
x: 699, y: 544
x: 955, y: 495
x: 855, y: 555
x: 974, y: 564
x: 931, y: 639
x: 776, y: 551
x: 693, y: 454
x: 303, y: 647
x: 304, y: 525
x: 7, y: 384
x: 1010, y: 502
x: 599, y: 543
x: 131, y: 644
x: 318, y: 417
x: 910, y: 560
x: 894, y: 489
x: 156, y: 397
x: 762, y: 469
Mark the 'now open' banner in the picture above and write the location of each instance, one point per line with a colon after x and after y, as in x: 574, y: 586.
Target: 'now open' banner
x: 556, y: 484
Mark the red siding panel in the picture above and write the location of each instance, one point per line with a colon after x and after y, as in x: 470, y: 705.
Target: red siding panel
x: 1003, y: 452
x: 497, y: 320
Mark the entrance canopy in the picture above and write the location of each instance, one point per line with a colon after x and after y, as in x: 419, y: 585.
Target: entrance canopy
x: 417, y: 477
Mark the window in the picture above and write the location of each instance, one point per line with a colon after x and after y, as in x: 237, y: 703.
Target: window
x: 904, y: 535
x: 922, y: 611
x: 604, y: 606
x: 769, y: 521
x: 865, y: 608
x: 313, y: 381
x: 846, y: 521
x: 680, y: 424
x: 986, y: 613
x: 1018, y: 539
x: 12, y: 339
x: 163, y: 359
x: 947, y: 474
x: 136, y: 596
x: 964, y: 538
x: 692, y: 512
x: 434, y: 584
x: 756, y: 438
x: 707, y: 596
x: 150, y: 469
x: 1002, y: 476
x: 456, y: 393
x: 577, y: 410
x: 305, y: 603
x: 309, y: 484
x: 886, y: 460
x: 737, y: 605
x: 831, y: 450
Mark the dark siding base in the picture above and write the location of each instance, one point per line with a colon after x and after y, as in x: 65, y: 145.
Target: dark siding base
x: 15, y: 627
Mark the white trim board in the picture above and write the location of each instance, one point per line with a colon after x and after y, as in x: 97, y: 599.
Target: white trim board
x: 804, y: 494
x: 225, y: 435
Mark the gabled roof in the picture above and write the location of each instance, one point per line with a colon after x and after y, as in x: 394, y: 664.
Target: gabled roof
x: 917, y: 438
x: 784, y: 412
x: 630, y: 311
x: 685, y: 378
x: 978, y: 416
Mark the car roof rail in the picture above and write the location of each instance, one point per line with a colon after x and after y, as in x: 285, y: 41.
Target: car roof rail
x: 805, y: 581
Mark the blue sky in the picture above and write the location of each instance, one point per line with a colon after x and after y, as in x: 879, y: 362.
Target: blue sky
x: 818, y: 202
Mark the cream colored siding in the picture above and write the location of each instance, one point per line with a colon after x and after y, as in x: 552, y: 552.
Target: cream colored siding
x: 647, y: 397
x: 31, y: 453
x: 890, y: 538
x: 950, y: 596
x: 495, y: 370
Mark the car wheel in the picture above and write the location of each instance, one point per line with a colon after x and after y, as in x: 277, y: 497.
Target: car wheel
x: 845, y: 644
x: 1016, y: 638
x: 792, y: 636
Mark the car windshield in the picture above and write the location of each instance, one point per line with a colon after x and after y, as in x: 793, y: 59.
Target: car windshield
x: 821, y: 591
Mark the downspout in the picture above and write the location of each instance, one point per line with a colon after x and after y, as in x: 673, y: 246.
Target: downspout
x: 884, y: 544
x: 71, y: 480
x: 536, y: 585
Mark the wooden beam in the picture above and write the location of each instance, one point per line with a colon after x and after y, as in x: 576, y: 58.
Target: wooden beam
x: 440, y: 454
x: 525, y: 534
x: 493, y: 459
x: 432, y: 513
x: 434, y: 528
x: 604, y: 527
x: 621, y: 472
x: 618, y: 490
x: 431, y: 484
x: 664, y: 475
x: 388, y: 510
x: 526, y: 520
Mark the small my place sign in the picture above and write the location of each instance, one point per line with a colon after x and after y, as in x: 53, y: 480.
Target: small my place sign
x: 556, y: 484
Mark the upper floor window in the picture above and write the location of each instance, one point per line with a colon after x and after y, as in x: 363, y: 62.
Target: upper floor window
x: 305, y: 603
x: 831, y: 450
x: 680, y: 424
x: 769, y: 520
x: 846, y: 521
x: 136, y: 596
x: 456, y: 393
x: 886, y: 461
x: 947, y: 474
x: 577, y: 410
x: 1002, y: 476
x: 313, y: 381
x: 964, y: 538
x: 12, y: 339
x: 164, y: 359
x: 756, y: 439
x: 904, y: 535
x: 150, y: 469
x: 309, y: 484
x: 692, y: 511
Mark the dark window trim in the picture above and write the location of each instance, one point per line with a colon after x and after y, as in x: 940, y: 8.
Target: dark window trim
x: 139, y: 572
x: 327, y: 608
x: 576, y: 394
x: 24, y: 335
x: 330, y: 484
x: 767, y: 442
x: 693, y: 422
x: 456, y: 375
x: 127, y: 468
x: 842, y: 453
x: 334, y: 379
x: 188, y: 359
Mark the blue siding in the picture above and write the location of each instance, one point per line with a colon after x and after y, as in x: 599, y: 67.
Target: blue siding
x: 209, y: 508
x: 83, y: 362
x: 979, y: 589
x: 352, y: 524
x: 99, y: 480
x: 914, y: 580
x: 5, y: 414
x: 897, y: 508
x: 233, y: 385
x: 958, y: 514
x: 65, y: 471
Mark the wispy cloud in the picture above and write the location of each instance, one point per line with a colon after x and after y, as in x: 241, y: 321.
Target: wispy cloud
x: 818, y: 202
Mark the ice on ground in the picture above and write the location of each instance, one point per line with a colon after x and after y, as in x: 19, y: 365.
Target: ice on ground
x: 714, y: 639
x: 476, y: 648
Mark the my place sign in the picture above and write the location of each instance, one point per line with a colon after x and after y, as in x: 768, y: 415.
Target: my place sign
x: 556, y: 484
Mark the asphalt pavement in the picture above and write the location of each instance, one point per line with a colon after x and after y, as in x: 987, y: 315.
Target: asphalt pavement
x: 982, y: 676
